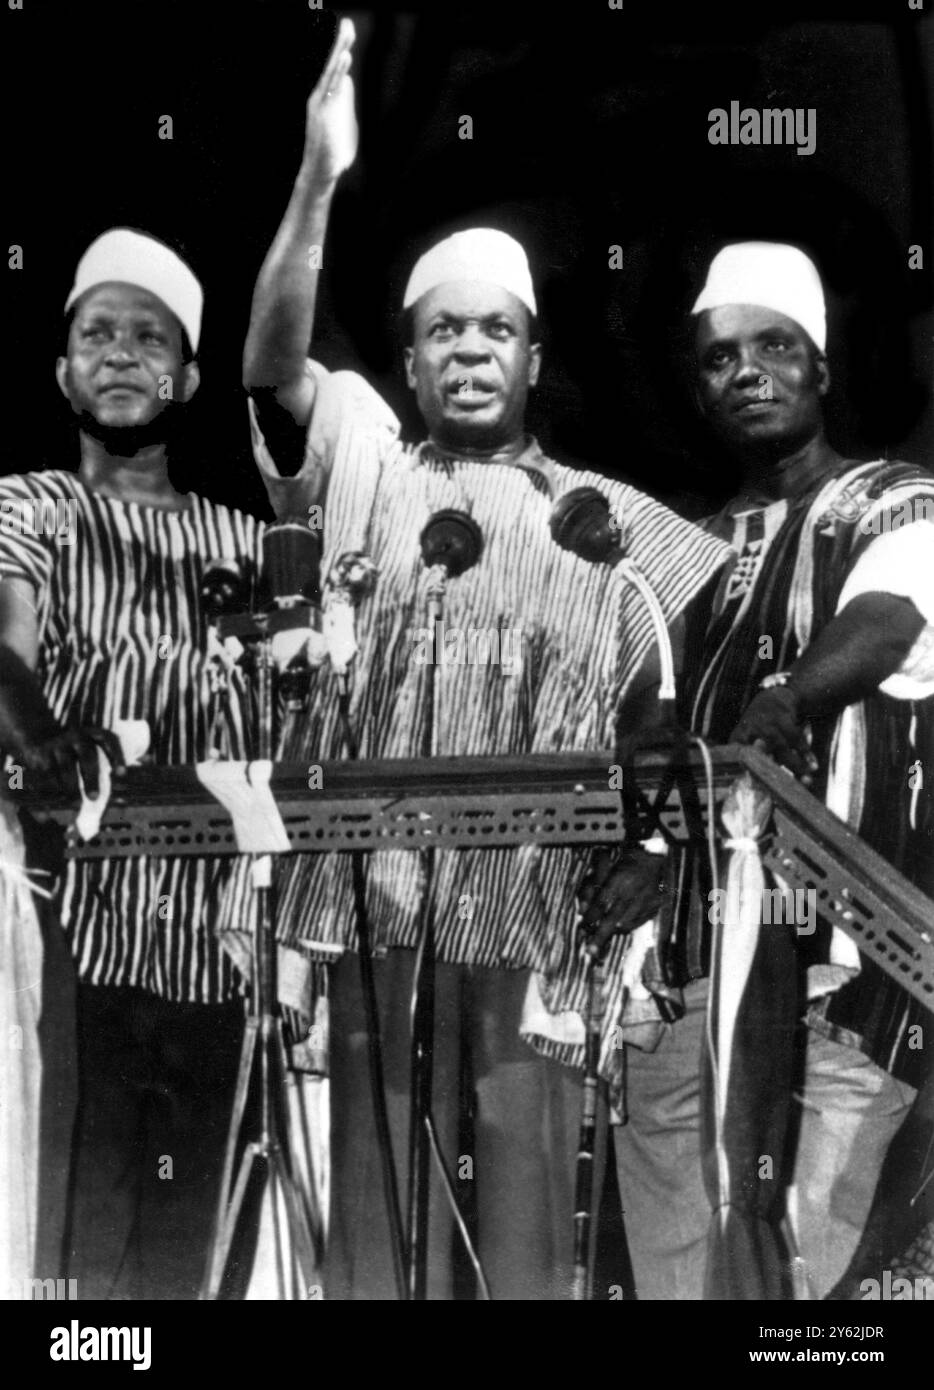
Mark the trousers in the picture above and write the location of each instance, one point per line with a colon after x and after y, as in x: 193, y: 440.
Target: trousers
x: 666, y: 1212
x: 155, y: 1091
x: 844, y: 1116
x: 507, y: 1121
x: 848, y: 1111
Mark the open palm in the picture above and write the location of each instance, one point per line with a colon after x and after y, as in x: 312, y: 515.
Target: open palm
x: 331, y: 135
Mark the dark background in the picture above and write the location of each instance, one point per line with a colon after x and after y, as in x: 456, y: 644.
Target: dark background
x: 590, y: 129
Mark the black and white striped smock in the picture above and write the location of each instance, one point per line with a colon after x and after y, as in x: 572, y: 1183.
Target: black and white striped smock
x: 584, y: 632
x: 122, y: 636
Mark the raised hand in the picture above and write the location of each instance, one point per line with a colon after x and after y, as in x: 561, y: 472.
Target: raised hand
x: 331, y: 134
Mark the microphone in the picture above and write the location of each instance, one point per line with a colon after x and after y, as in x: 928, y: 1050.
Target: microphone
x: 451, y: 543
x: 291, y: 573
x: 451, y: 540
x: 290, y: 585
x: 350, y: 579
x: 580, y: 523
x: 223, y: 588
x: 353, y: 576
x: 224, y: 592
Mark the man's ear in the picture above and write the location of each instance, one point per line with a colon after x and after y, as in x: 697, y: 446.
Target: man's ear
x: 535, y: 363
x: 689, y: 359
x: 408, y: 357
x: 822, y: 372
x: 191, y: 380
x: 61, y: 376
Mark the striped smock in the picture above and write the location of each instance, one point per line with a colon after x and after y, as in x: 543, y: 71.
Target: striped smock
x: 576, y: 634
x: 122, y: 635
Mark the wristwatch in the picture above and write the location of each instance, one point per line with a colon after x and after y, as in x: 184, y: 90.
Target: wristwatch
x: 776, y: 678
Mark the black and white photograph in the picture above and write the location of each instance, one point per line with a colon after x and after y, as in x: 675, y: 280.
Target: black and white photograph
x: 467, y: 664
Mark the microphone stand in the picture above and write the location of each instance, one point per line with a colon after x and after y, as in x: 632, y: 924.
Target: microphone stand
x: 423, y: 999
x: 582, y: 1287
x: 262, y: 1053
x: 580, y: 523
x: 373, y: 1031
x: 451, y: 543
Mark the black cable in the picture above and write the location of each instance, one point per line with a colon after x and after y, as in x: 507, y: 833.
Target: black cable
x: 448, y: 1185
x: 373, y: 1031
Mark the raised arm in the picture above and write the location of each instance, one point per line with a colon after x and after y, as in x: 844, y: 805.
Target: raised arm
x: 283, y: 307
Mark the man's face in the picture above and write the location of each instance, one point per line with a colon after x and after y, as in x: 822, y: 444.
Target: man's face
x: 124, y: 365
x: 471, y: 364
x: 760, y: 380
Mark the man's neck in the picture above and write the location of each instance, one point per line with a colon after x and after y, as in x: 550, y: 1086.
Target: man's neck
x: 502, y: 453
x: 790, y: 474
x: 141, y: 477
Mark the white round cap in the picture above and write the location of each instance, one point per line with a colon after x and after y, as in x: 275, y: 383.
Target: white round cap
x: 770, y: 274
x: 481, y: 254
x: 129, y: 257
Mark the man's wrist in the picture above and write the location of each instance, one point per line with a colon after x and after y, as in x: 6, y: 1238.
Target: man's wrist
x: 315, y: 181
x: 783, y: 681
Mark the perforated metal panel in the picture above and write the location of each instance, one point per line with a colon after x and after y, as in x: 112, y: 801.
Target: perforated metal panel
x: 855, y: 889
x: 464, y: 822
x: 560, y: 799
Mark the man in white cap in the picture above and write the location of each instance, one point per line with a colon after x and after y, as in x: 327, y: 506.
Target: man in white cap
x: 103, y: 623
x: 816, y: 647
x: 508, y: 957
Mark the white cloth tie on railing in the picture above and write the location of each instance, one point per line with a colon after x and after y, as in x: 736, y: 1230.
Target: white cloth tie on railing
x: 133, y: 736
x: 745, y: 843
x: 746, y: 813
x: 846, y: 796
x: 244, y: 792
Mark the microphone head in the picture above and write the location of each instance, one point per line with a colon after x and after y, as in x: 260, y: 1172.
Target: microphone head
x: 580, y: 522
x: 223, y: 588
x: 452, y: 539
x: 354, y: 574
x: 291, y: 564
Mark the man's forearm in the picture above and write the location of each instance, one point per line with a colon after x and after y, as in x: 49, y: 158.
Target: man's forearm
x: 641, y: 712
x: 25, y: 717
x: 850, y: 658
x: 283, y: 309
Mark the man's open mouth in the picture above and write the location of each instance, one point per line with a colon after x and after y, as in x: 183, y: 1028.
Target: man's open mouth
x: 474, y: 394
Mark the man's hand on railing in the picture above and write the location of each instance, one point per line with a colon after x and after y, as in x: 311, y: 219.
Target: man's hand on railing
x: 622, y: 888
x: 772, y: 723
x: 31, y: 734
x: 61, y: 754
x: 651, y: 727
